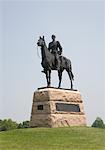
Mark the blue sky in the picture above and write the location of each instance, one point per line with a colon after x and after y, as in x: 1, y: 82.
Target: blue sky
x: 78, y: 25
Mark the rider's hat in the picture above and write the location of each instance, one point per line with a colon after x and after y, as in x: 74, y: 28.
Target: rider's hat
x: 53, y: 36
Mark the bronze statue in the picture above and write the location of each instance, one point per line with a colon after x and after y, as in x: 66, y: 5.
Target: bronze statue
x: 48, y: 60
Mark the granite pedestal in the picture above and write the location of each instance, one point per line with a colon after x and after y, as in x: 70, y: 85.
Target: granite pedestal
x: 57, y: 108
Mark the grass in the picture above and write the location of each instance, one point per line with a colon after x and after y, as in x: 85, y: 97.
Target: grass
x: 73, y: 138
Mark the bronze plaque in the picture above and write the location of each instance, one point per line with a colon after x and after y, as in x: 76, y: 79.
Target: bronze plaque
x: 67, y: 107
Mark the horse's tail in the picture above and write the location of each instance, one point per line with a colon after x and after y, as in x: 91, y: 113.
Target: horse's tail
x: 72, y: 75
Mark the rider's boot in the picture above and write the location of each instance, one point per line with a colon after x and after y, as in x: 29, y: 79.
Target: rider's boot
x: 57, y: 65
x: 43, y: 71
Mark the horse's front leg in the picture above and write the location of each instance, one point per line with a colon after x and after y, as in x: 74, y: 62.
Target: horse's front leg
x: 47, y: 77
x: 49, y: 82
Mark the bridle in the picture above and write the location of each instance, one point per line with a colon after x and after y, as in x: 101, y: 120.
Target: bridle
x: 38, y: 52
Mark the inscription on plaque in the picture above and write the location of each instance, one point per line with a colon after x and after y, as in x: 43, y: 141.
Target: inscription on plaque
x: 67, y: 107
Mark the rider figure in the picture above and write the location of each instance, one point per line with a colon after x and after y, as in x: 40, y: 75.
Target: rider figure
x: 56, y: 49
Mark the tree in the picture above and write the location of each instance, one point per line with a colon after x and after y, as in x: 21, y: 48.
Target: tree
x: 98, y: 123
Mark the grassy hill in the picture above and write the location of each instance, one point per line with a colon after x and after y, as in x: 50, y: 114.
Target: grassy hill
x: 73, y: 138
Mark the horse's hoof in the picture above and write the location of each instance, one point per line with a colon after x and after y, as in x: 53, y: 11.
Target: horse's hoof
x: 49, y: 86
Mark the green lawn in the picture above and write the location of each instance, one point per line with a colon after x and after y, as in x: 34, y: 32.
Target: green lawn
x: 73, y: 138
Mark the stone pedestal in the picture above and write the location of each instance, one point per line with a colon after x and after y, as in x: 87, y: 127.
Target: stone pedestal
x: 57, y: 108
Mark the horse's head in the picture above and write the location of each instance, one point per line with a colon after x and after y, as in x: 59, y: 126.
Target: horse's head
x: 41, y: 41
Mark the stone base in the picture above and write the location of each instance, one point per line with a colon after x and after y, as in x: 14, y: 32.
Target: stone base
x: 57, y: 108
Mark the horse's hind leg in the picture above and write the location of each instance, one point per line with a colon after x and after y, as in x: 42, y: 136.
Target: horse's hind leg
x: 70, y: 77
x: 60, y: 77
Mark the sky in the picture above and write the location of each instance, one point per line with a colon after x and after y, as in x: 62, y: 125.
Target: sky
x: 78, y: 25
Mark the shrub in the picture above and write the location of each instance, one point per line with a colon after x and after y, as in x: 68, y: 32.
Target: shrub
x: 7, y: 124
x: 20, y: 125
x: 98, y: 123
x: 24, y: 124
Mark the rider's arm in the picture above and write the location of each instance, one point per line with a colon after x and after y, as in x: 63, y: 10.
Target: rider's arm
x: 59, y: 46
x: 49, y: 47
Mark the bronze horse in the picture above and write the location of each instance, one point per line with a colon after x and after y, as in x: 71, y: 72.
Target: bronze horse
x: 48, y: 63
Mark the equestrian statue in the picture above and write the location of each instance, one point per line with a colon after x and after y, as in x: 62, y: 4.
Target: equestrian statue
x: 53, y: 60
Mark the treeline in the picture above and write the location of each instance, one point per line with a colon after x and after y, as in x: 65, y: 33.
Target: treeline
x: 8, y: 124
